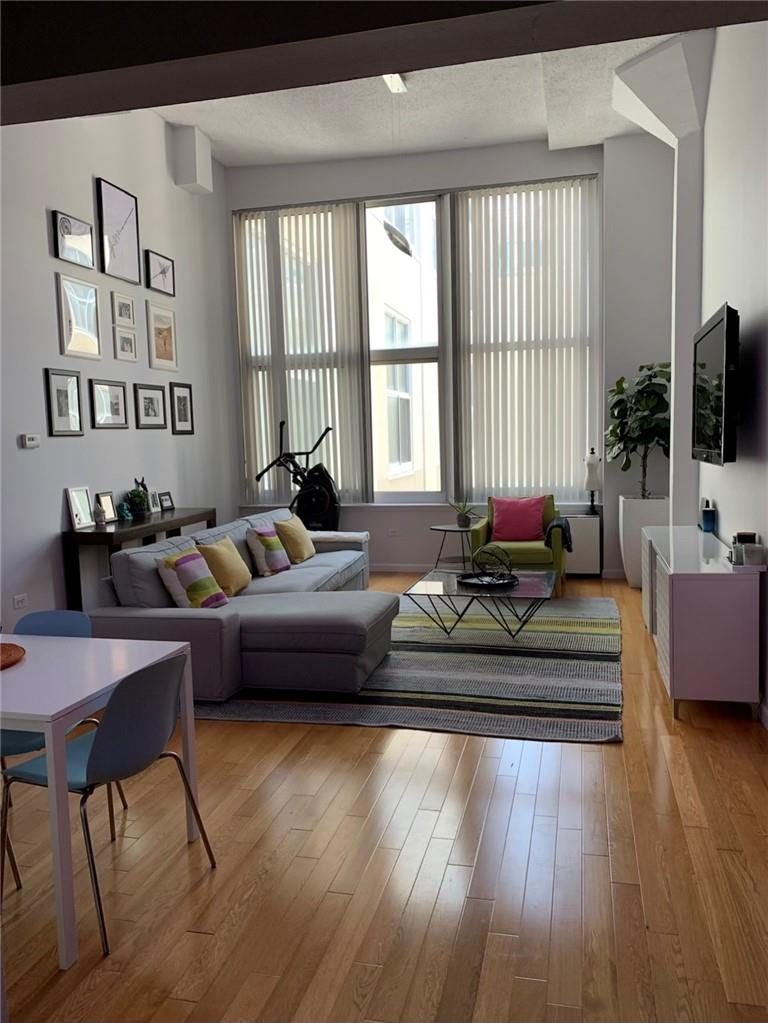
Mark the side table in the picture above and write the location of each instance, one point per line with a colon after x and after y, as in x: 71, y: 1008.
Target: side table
x: 466, y: 546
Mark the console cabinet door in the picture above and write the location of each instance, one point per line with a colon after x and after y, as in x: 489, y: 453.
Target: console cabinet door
x: 662, y: 614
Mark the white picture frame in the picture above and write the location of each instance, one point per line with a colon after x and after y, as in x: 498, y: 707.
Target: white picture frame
x: 154, y: 501
x: 79, y: 317
x: 125, y: 344
x: 80, y: 507
x: 161, y: 337
x: 123, y: 310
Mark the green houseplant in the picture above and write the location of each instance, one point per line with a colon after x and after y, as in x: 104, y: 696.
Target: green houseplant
x: 639, y: 410
x: 464, y: 513
x: 138, y: 501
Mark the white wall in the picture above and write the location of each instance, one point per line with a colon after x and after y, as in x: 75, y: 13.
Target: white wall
x: 638, y: 177
x: 52, y: 166
x: 381, y: 177
x: 735, y: 268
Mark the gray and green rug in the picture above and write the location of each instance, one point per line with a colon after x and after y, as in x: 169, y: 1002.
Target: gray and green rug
x: 560, y: 680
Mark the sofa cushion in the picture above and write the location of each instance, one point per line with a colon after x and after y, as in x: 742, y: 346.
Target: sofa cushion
x: 305, y: 581
x: 196, y: 581
x: 521, y: 552
x: 135, y: 576
x: 267, y: 552
x: 268, y: 518
x: 339, y: 622
x: 346, y: 564
x: 234, y: 530
x: 517, y: 518
x: 228, y: 567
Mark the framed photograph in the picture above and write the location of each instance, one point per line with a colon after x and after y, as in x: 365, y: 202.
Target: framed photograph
x: 160, y: 272
x: 182, y: 416
x: 161, y: 333
x: 79, y: 318
x: 123, y: 310
x: 154, y: 501
x: 62, y: 395
x: 72, y: 239
x: 125, y: 344
x: 80, y: 507
x: 150, y: 406
x: 107, y: 502
x: 109, y: 405
x: 166, y: 501
x: 118, y: 212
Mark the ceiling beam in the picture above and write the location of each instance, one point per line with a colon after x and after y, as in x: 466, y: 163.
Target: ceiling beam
x: 536, y: 28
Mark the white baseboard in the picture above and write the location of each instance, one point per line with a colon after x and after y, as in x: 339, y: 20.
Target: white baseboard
x: 613, y: 573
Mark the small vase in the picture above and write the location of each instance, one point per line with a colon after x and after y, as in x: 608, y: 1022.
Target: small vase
x: 463, y: 521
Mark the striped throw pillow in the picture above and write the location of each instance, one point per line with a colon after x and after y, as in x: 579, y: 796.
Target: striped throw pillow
x: 189, y: 580
x: 267, y: 551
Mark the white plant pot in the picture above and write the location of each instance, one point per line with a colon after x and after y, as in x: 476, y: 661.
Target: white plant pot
x: 634, y: 514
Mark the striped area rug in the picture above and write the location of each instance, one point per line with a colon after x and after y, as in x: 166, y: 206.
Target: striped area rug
x: 561, y: 682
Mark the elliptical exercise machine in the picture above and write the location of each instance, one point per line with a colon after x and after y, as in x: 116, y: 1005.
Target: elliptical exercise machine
x: 317, y: 503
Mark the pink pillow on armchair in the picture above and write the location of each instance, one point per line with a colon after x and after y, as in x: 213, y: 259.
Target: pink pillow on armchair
x: 518, y: 518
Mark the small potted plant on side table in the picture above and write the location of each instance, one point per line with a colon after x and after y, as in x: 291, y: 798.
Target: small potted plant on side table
x: 464, y: 513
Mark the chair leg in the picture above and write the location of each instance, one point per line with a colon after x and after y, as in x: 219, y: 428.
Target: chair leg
x: 92, y: 872
x: 111, y: 811
x: 5, y: 842
x: 193, y: 805
x: 120, y: 793
x: 3, y: 766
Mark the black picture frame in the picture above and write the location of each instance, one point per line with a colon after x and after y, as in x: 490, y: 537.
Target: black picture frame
x: 62, y: 221
x: 57, y: 414
x: 138, y: 396
x: 108, y: 504
x: 104, y: 189
x: 95, y: 424
x: 175, y: 427
x: 150, y: 273
x: 166, y: 501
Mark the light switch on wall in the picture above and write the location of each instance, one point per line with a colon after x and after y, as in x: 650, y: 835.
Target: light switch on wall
x: 30, y: 440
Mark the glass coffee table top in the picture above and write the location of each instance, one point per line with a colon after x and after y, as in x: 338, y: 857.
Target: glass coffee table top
x: 442, y: 583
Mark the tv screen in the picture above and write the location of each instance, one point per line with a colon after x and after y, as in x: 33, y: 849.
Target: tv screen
x: 715, y: 369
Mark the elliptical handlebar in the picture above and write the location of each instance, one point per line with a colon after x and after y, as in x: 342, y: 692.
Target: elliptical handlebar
x: 288, y: 459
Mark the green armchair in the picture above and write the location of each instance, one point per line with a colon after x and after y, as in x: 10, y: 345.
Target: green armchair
x: 525, y: 554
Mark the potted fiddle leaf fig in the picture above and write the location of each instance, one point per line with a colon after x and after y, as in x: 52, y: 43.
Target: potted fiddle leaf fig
x: 639, y: 410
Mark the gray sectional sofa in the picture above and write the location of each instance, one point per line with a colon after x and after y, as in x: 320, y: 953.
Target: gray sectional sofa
x: 308, y: 628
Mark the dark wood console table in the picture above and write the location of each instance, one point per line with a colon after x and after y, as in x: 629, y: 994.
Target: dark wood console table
x: 113, y: 535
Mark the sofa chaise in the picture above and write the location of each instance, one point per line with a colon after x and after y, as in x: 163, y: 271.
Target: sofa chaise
x: 309, y: 628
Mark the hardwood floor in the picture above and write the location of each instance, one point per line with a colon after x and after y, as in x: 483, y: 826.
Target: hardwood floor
x: 384, y: 875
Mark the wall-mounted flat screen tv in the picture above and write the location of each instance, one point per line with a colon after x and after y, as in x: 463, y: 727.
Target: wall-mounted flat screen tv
x: 715, y: 387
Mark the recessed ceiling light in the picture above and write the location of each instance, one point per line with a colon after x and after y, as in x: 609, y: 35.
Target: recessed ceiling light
x: 395, y: 83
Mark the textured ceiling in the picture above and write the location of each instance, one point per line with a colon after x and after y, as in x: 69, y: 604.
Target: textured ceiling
x: 564, y: 96
x: 577, y: 92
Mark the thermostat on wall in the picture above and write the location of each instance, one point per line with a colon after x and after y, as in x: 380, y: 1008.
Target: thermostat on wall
x: 30, y: 440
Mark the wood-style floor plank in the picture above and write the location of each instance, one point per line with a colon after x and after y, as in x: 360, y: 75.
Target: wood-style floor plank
x: 387, y: 875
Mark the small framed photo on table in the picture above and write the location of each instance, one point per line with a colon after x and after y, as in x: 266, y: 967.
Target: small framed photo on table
x: 150, y: 406
x: 166, y: 501
x: 72, y: 239
x: 79, y: 499
x: 107, y: 502
x: 62, y: 395
x: 154, y: 501
x: 182, y: 416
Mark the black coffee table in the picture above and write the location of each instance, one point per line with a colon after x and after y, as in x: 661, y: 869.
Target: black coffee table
x: 440, y: 592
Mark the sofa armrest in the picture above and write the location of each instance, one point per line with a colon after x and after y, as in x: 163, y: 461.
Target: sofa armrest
x: 478, y: 536
x: 213, y: 635
x: 329, y: 540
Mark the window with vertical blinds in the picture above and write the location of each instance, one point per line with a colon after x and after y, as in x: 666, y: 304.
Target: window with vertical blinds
x: 299, y: 322
x: 526, y: 344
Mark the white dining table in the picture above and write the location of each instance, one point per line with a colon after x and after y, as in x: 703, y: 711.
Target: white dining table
x: 57, y: 683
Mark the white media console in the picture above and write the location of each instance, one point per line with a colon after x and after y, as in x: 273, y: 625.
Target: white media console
x: 703, y: 614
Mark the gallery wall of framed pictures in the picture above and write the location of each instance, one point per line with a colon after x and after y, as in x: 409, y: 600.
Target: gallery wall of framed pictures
x: 83, y: 335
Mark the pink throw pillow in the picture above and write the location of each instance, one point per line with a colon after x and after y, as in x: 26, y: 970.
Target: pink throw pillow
x: 518, y: 518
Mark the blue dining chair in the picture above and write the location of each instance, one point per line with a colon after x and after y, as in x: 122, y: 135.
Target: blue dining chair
x: 74, y: 624
x: 138, y: 721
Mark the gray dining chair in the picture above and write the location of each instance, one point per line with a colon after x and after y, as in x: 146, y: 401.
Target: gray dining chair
x: 72, y: 624
x: 138, y: 721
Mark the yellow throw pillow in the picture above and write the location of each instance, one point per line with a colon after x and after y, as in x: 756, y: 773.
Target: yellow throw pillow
x: 227, y: 567
x: 294, y: 537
